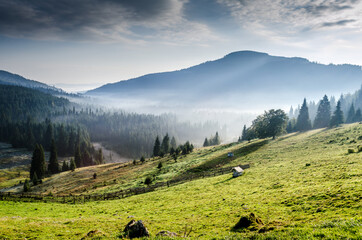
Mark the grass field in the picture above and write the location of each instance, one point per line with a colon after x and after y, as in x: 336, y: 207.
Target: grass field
x: 302, y: 186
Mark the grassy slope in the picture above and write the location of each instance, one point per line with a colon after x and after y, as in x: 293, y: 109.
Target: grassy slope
x: 302, y: 186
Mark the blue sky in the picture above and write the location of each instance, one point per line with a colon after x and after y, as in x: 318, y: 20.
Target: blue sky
x: 89, y: 43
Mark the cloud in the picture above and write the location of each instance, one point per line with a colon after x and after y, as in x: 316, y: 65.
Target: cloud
x: 92, y: 20
x: 338, y: 23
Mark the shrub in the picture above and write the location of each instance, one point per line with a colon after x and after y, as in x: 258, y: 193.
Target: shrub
x: 159, y: 165
x: 359, y: 148
x: 350, y: 150
x: 148, y: 181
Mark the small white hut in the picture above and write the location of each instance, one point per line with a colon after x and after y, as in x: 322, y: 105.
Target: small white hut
x: 237, y: 171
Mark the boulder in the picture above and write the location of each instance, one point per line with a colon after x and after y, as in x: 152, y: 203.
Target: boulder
x: 136, y: 229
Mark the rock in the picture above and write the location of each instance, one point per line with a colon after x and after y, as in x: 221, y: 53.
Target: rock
x: 136, y: 229
x: 92, y: 234
x: 167, y: 234
x: 250, y: 221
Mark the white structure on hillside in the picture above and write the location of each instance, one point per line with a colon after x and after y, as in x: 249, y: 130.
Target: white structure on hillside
x: 237, y: 171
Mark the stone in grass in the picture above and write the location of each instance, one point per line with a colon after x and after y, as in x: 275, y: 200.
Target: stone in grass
x: 167, y: 234
x: 250, y: 222
x: 93, y: 234
x: 136, y: 230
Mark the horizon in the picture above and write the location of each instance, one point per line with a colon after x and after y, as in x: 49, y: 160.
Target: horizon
x: 63, y: 42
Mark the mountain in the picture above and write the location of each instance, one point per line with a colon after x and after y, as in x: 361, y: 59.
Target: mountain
x: 7, y: 78
x: 244, y: 79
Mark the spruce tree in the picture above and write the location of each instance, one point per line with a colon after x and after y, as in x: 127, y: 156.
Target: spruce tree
x: 73, y: 165
x: 53, y: 166
x: 157, y: 147
x: 48, y: 136
x: 206, y: 142
x: 351, y: 114
x: 165, y: 146
x: 323, y: 114
x: 35, y: 179
x: 173, y: 143
x: 142, y: 159
x: 244, y: 134
x: 65, y: 166
x: 303, y: 121
x: 358, y: 116
x: 337, y: 117
x: 38, y: 162
x: 26, y: 185
x: 78, y: 157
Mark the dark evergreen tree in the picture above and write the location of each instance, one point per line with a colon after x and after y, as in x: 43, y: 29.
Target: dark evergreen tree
x: 48, y: 136
x: 26, y: 186
x: 337, y: 117
x: 206, y: 142
x: 323, y: 113
x: 78, y: 157
x: 165, y: 146
x: 303, y: 121
x: 157, y: 147
x: 358, y: 116
x: 148, y: 181
x: 159, y: 165
x: 142, y: 159
x: 62, y: 141
x: 65, y: 166
x: 100, y: 159
x: 244, y: 134
x: 351, y: 114
x: 73, y: 165
x: 35, y: 179
x: 87, y: 159
x: 53, y: 166
x: 38, y: 162
x: 173, y: 143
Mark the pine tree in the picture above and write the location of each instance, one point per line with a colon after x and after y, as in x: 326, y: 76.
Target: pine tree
x: 62, y: 142
x: 244, y: 134
x: 142, y: 159
x: 173, y: 143
x: 165, y: 146
x: 26, y: 185
x: 351, y: 114
x: 73, y: 165
x: 48, y: 136
x: 157, y: 147
x: 78, y: 157
x: 65, y: 166
x: 100, y: 159
x: 337, y: 117
x: 35, y: 179
x: 303, y: 121
x: 53, y: 166
x: 206, y: 143
x: 38, y: 162
x: 358, y: 116
x: 323, y: 113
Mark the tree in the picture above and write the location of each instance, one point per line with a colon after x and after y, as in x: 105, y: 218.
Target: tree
x: 174, y: 156
x: 142, y: 159
x: 351, y: 114
x: 323, y: 113
x: 173, y: 143
x: 159, y: 165
x: 99, y: 157
x: 35, y: 179
x: 62, y: 142
x: 337, y: 117
x: 157, y: 147
x: 48, y: 136
x: 73, y: 165
x: 206, y: 142
x: 271, y: 124
x: 53, y: 166
x: 148, y: 181
x: 303, y: 121
x: 358, y: 116
x: 65, y: 166
x: 78, y: 157
x: 244, y: 134
x: 26, y: 185
x: 165, y: 146
x: 38, y: 162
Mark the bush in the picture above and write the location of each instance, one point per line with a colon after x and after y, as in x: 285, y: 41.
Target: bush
x: 350, y: 150
x: 148, y: 181
x: 159, y: 165
x: 359, y: 148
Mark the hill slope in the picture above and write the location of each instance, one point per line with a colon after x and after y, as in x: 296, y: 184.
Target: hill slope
x: 7, y: 78
x: 239, y: 79
x: 302, y: 186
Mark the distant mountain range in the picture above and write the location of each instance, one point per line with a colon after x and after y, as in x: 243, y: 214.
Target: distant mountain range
x: 7, y: 78
x: 245, y: 79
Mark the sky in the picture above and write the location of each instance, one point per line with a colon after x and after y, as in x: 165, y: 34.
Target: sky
x: 79, y: 44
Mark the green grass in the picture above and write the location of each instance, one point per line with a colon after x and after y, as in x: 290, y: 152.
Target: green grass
x: 302, y: 186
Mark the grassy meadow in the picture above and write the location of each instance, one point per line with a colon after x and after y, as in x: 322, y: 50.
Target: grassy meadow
x: 302, y: 186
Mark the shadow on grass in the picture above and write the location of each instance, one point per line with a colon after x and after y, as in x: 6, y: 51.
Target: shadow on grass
x: 223, y: 159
